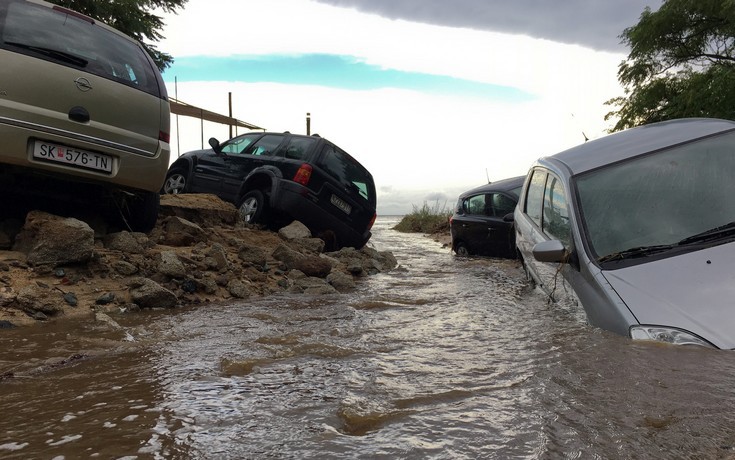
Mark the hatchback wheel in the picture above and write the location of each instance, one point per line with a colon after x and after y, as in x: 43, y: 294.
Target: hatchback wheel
x: 175, y: 182
x: 461, y: 249
x: 253, y: 207
x: 139, y: 212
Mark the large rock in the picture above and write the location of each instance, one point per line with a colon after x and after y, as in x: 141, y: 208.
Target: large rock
x: 294, y: 230
x: 47, y: 239
x: 313, y: 266
x: 34, y: 298
x: 201, y: 208
x: 126, y: 242
x: 283, y: 253
x: 181, y: 232
x: 252, y: 255
x: 170, y: 265
x: 148, y: 294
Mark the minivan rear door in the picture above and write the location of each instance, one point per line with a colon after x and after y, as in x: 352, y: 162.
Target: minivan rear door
x: 88, y: 82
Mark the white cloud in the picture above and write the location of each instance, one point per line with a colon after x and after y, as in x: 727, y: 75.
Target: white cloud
x: 415, y: 144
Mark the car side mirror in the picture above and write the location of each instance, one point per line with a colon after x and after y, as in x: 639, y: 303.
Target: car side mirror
x: 508, y: 217
x: 214, y: 143
x: 550, y: 251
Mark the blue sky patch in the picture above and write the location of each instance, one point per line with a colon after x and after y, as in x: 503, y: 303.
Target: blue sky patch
x: 331, y: 71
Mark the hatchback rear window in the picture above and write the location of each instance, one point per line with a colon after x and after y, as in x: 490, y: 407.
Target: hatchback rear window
x: 349, y: 172
x: 55, y: 35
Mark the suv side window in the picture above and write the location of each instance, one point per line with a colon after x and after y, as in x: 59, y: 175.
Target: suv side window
x: 266, y: 145
x: 556, y: 216
x: 535, y: 196
x: 239, y: 144
x: 297, y: 148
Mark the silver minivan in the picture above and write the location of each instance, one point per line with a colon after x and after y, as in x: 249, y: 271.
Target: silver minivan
x: 81, y: 103
x: 638, y: 227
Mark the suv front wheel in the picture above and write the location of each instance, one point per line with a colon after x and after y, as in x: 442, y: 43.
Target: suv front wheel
x: 253, y: 207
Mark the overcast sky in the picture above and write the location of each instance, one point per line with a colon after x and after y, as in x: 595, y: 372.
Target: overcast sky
x: 433, y: 97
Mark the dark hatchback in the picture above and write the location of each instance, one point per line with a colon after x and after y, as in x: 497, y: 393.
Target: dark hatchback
x: 479, y: 225
x: 274, y: 178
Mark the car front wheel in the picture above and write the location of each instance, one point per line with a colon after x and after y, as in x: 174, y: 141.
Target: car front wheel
x: 253, y: 207
x: 461, y: 249
x: 175, y: 182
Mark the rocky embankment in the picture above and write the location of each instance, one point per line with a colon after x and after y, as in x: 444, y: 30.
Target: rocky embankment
x: 200, y: 252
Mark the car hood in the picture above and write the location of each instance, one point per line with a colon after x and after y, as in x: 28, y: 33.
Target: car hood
x: 693, y: 291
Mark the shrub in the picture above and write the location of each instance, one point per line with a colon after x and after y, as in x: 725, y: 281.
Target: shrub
x: 427, y: 219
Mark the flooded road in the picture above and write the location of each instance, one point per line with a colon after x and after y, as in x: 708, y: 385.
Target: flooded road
x: 442, y: 358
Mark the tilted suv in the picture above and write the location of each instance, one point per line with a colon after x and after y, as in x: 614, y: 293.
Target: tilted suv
x: 280, y: 176
x: 84, y: 112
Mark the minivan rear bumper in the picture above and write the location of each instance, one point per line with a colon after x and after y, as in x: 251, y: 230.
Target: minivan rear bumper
x: 300, y: 203
x: 129, y: 170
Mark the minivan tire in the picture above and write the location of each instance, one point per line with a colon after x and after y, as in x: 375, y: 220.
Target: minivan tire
x: 140, y: 211
x: 252, y: 207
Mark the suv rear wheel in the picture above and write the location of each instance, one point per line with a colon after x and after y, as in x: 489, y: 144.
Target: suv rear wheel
x: 253, y: 207
x: 175, y: 182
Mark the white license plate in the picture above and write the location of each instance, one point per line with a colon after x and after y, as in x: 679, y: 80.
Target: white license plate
x: 341, y: 204
x: 71, y: 156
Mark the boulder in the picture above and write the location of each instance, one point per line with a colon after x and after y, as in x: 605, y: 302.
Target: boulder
x: 148, y: 294
x: 238, y: 289
x: 283, y: 253
x: 341, y: 281
x: 181, y: 232
x: 313, y: 266
x: 294, y: 230
x: 170, y: 265
x: 124, y: 242
x: 47, y: 239
x: 252, y: 255
x: 33, y: 299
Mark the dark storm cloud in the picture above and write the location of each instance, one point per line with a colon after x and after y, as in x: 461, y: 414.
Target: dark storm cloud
x: 592, y: 23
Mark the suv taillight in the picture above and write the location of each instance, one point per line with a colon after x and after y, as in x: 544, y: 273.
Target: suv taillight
x: 303, y: 174
x: 372, y: 221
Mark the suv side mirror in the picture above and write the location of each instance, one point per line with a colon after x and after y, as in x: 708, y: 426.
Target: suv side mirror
x: 550, y: 251
x: 508, y: 217
x: 214, y: 143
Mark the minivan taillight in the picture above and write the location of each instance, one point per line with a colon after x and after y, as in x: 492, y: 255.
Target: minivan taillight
x: 165, y: 137
x: 303, y: 175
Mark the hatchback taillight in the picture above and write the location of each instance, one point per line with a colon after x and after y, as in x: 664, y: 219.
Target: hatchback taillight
x: 303, y: 175
x: 164, y: 136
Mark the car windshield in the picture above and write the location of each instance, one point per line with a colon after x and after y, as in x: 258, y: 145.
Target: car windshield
x: 659, y: 200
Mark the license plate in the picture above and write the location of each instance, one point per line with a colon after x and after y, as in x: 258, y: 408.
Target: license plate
x: 70, y: 156
x: 341, y: 204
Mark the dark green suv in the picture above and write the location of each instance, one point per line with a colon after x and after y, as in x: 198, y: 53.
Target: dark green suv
x: 278, y: 177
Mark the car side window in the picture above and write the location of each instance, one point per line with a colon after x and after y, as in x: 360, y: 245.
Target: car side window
x: 501, y: 204
x: 535, y: 196
x: 266, y: 145
x: 556, y: 215
x: 475, y: 205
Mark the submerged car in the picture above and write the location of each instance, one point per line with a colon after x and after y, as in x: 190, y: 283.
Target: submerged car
x: 639, y: 228
x: 479, y: 225
x: 84, y: 113
x: 279, y: 177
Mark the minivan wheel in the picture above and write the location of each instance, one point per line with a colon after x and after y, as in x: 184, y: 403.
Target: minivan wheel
x: 252, y: 208
x: 140, y: 211
x: 461, y: 249
x: 175, y: 182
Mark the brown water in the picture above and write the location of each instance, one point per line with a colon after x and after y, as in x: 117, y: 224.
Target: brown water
x: 442, y: 358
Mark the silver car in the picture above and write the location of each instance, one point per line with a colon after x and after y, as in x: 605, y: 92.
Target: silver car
x: 639, y: 228
x: 84, y: 113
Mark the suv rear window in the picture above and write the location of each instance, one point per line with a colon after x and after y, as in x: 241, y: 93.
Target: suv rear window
x: 348, y: 171
x: 55, y: 35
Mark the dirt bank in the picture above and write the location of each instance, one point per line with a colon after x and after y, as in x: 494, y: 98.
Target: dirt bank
x: 200, y: 252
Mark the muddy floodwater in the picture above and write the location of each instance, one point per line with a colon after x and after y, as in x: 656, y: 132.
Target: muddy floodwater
x: 442, y: 358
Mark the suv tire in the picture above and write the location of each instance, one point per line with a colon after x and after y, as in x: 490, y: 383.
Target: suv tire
x: 175, y: 183
x: 252, y: 207
x: 461, y: 249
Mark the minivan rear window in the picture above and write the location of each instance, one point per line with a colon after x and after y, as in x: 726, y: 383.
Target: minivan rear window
x: 349, y: 171
x: 55, y: 35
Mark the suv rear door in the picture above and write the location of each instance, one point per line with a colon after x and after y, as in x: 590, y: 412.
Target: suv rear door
x: 346, y: 189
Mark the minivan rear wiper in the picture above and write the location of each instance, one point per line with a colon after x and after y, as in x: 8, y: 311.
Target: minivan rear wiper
x: 56, y: 54
x: 640, y: 251
x: 713, y: 233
